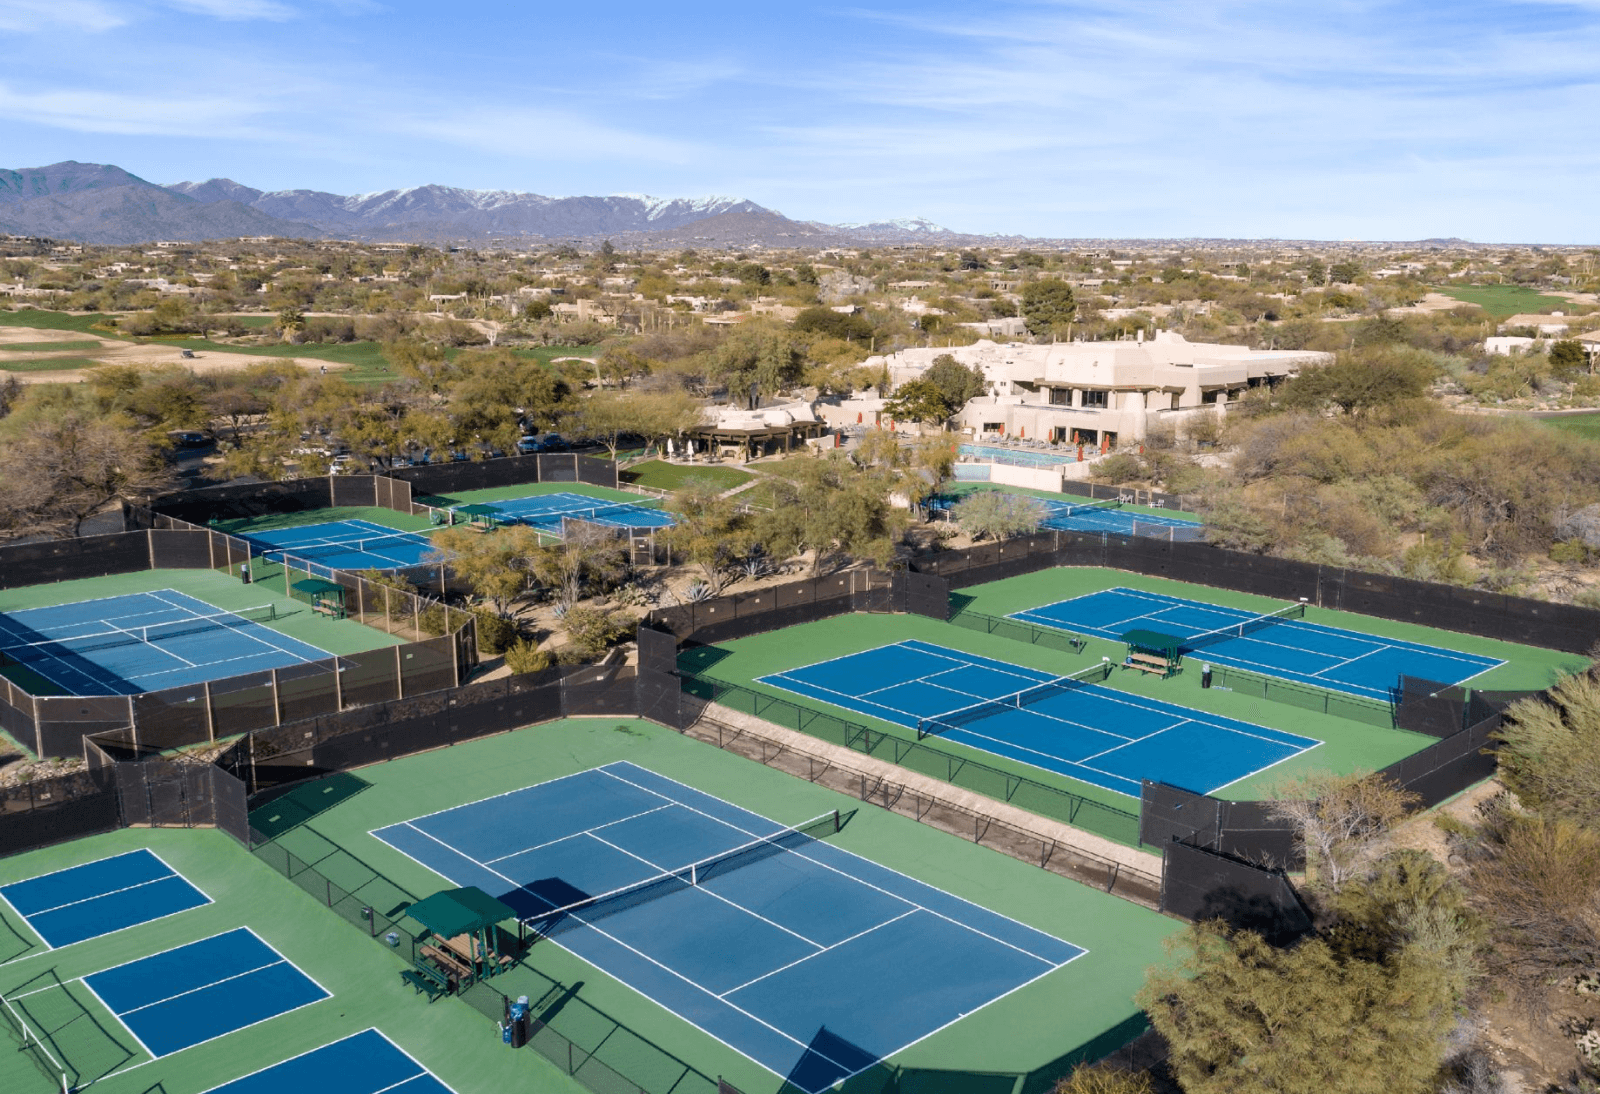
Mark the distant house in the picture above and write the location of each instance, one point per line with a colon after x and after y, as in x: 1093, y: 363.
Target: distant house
x: 1507, y: 345
x: 1550, y: 325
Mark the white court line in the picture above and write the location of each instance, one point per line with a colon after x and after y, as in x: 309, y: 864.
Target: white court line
x: 202, y: 987
x: 852, y: 877
x: 575, y: 835
x: 826, y: 866
x: 859, y: 934
x: 731, y: 903
x: 108, y: 892
x: 250, y: 634
x: 421, y: 1069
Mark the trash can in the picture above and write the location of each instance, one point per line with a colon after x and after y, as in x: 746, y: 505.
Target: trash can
x: 1205, y: 676
x: 244, y: 572
x: 519, y: 1022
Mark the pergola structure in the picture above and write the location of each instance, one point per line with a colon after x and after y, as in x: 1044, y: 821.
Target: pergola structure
x: 759, y: 440
x: 461, y: 937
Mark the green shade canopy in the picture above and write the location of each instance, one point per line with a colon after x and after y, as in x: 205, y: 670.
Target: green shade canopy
x: 1154, y: 641
x: 455, y: 912
x: 477, y: 510
x: 315, y: 586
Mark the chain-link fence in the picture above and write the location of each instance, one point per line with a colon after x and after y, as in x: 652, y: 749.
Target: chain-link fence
x: 936, y: 811
x: 1117, y: 824
x: 1469, y: 611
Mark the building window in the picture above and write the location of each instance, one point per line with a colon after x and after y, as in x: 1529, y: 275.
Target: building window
x: 1093, y: 400
x: 994, y: 427
x: 1208, y: 398
x: 1061, y: 396
x: 1175, y: 397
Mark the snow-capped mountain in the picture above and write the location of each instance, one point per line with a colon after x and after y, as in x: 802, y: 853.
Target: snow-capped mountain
x: 452, y: 212
x: 100, y: 203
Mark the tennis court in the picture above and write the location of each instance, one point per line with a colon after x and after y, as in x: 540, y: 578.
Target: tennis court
x: 149, y: 641
x: 343, y: 545
x: 101, y: 897
x: 545, y: 512
x: 1074, y: 727
x: 809, y: 960
x: 184, y: 996
x: 363, y: 1063
x: 1104, y: 515
x: 1287, y: 647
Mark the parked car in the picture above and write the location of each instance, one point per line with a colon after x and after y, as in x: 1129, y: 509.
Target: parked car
x: 189, y: 438
x: 543, y: 442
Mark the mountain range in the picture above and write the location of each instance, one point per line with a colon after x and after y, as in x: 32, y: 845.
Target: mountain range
x: 101, y: 203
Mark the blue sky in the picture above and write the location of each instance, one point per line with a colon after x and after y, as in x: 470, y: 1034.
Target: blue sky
x: 1339, y: 119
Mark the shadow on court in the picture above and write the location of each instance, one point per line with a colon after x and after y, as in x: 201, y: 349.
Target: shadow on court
x: 272, y: 816
x: 63, y: 1022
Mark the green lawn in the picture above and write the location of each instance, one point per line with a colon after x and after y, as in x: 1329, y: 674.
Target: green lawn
x: 1584, y: 425
x: 54, y: 320
x: 47, y: 364
x: 49, y: 347
x: 1503, y: 300
x: 671, y: 476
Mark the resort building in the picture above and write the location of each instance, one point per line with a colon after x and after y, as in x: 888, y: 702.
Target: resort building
x: 1097, y: 393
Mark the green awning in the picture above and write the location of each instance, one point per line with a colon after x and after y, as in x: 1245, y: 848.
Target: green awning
x: 477, y: 510
x: 459, y: 911
x: 1153, y: 641
x: 315, y: 586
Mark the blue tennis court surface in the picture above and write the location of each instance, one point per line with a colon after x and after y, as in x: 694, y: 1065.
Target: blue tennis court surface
x: 1103, y: 736
x: 545, y: 512
x: 1328, y: 657
x: 1084, y: 515
x: 343, y: 545
x: 125, y: 645
x: 180, y: 998
x: 365, y: 1063
x: 813, y: 962
x: 101, y: 897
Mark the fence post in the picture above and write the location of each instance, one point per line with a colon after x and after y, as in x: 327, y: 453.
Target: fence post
x: 399, y: 677
x: 211, y: 715
x: 277, y: 720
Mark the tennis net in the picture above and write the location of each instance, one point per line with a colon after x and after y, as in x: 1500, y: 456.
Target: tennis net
x: 592, y: 909
x: 1017, y: 700
x: 603, y: 514
x: 23, y: 653
x: 373, y: 546
x: 1073, y: 508
x: 29, y: 1045
x: 1244, y: 627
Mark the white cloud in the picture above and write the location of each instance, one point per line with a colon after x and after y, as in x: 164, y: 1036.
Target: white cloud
x: 115, y: 112
x: 52, y: 15
x: 236, y: 10
x: 532, y: 134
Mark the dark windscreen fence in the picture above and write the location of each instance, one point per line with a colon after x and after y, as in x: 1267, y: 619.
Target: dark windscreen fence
x: 1443, y: 770
x: 392, y: 493
x: 1198, y: 885
x: 596, y: 472
x: 17, y: 717
x: 729, y: 617
x: 558, y: 467
x: 658, y: 650
x: 175, y: 550
x: 1427, y: 706
x: 1169, y: 813
x: 599, y: 691
x: 256, y: 499
x: 230, y: 805
x: 69, y: 559
x: 354, y: 490
x: 64, y: 721
x: 67, y: 807
x: 924, y: 594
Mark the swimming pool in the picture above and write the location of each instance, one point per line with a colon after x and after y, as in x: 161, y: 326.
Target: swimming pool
x: 1020, y: 457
